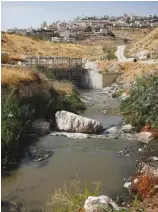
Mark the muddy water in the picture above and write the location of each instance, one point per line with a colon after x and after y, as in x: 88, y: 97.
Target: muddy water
x: 89, y: 159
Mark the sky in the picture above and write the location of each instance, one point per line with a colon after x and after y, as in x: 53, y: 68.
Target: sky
x: 25, y: 14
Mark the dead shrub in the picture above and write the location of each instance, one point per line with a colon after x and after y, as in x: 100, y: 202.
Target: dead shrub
x: 145, y: 185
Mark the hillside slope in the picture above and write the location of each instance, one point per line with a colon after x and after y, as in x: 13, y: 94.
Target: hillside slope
x: 30, y: 81
x: 149, y: 42
x: 18, y: 46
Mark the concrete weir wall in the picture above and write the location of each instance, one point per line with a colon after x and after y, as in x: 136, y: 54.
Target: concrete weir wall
x: 93, y: 79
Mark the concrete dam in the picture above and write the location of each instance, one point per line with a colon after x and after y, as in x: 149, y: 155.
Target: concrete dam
x: 81, y: 73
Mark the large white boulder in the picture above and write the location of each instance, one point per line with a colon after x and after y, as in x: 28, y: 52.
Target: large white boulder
x: 96, y: 204
x: 71, y: 122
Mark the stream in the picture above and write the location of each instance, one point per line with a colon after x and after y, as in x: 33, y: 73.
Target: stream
x: 93, y: 159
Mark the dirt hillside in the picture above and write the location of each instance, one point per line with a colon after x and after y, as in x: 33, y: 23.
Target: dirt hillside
x: 149, y: 42
x: 18, y: 46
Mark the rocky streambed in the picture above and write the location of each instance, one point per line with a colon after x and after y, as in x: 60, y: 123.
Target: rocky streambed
x: 110, y: 157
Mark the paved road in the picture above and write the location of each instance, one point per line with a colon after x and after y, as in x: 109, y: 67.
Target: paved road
x: 121, y: 57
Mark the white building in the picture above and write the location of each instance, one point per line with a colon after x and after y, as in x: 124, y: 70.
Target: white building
x: 65, y: 34
x: 104, y: 31
x: 154, y: 24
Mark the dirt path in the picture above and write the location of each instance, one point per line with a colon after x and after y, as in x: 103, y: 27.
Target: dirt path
x: 121, y: 57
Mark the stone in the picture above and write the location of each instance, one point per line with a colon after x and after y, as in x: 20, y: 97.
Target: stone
x: 40, y: 126
x: 140, y: 150
x: 78, y: 135
x: 104, y: 111
x: 93, y: 204
x: 126, y: 128
x: 127, y: 185
x: 19, y: 63
x: 70, y: 122
x: 143, y: 55
x: 125, y: 153
x: 144, y: 136
x: 70, y: 135
x: 154, y: 158
x: 112, y: 130
x: 37, y: 154
x: 135, y: 181
x: 144, y: 168
x: 128, y: 136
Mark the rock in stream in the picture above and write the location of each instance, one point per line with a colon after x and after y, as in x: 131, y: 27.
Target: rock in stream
x: 37, y: 154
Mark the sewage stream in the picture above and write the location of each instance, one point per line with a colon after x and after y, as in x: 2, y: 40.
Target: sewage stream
x: 89, y: 159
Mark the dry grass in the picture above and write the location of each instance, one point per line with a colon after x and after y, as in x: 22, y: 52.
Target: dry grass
x: 31, y: 80
x: 149, y: 42
x: 13, y: 76
x: 133, y: 70
x: 63, y: 86
x: 101, y: 41
x: 132, y: 34
x: 129, y: 70
x: 19, y: 46
x: 144, y: 186
x: 103, y: 64
x: 71, y: 197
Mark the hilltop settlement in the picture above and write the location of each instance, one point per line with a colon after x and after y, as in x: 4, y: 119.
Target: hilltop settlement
x: 81, y: 27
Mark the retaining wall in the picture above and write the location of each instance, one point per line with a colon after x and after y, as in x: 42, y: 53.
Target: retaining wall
x: 92, y: 79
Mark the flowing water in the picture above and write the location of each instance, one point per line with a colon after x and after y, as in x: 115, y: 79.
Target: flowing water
x: 89, y: 159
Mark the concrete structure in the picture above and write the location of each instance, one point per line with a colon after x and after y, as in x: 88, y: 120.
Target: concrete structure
x: 104, y: 31
x: 63, y: 39
x: 92, y: 79
x: 65, y: 34
x: 84, y: 75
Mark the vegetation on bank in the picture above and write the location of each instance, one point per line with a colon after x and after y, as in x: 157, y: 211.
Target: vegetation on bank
x: 117, y: 94
x: 141, y: 107
x: 71, y: 196
x: 28, y: 95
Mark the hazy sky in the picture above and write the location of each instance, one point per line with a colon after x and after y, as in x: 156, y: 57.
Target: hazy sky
x: 26, y: 14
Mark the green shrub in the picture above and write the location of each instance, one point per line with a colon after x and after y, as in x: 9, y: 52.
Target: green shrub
x: 43, y: 104
x: 142, y: 105
x: 111, y: 55
x: 14, y: 123
x: 75, y: 104
x: 110, y: 52
x: 18, y: 114
x: 117, y: 94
